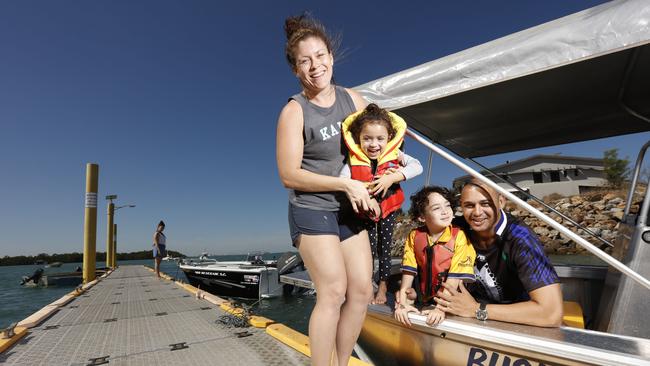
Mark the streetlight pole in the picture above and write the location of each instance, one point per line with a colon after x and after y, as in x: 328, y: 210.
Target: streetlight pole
x: 109, y: 231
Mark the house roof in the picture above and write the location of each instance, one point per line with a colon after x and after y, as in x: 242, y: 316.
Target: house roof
x: 547, y: 158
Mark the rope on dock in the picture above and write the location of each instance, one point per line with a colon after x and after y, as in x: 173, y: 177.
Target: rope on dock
x: 239, y: 318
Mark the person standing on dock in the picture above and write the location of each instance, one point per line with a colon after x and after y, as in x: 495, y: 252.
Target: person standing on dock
x: 159, y: 246
x: 322, y: 221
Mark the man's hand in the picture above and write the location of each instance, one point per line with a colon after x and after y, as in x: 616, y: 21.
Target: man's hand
x: 457, y: 301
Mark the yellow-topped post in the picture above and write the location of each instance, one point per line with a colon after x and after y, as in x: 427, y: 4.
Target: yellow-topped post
x: 90, y: 222
x: 109, y: 235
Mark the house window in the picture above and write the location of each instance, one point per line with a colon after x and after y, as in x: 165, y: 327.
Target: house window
x: 576, y: 172
x: 555, y: 176
x: 537, y: 177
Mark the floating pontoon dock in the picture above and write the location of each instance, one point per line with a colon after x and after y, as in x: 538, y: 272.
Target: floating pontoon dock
x: 132, y: 318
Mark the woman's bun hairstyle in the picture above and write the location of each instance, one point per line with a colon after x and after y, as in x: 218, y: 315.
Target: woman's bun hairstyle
x: 298, y: 28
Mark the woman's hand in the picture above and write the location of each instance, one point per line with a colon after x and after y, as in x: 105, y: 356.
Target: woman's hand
x: 383, y: 183
x: 375, y: 210
x: 402, y: 311
x: 358, y: 195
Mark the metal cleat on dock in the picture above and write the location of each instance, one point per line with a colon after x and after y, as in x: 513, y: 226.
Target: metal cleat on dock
x: 9, y: 331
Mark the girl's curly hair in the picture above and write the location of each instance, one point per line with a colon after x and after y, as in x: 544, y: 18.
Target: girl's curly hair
x: 375, y: 115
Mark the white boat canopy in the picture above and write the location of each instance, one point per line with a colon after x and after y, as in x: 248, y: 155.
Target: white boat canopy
x: 577, y: 78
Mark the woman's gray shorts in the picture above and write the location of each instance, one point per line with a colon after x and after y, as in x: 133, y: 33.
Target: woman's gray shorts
x: 343, y: 223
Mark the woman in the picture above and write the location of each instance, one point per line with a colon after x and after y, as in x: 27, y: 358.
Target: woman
x: 322, y: 222
x: 159, y: 250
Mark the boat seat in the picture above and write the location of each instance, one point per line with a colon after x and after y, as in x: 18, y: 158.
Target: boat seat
x: 573, y: 315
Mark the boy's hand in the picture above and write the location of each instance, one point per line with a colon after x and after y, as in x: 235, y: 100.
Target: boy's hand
x: 434, y: 316
x: 410, y: 294
x: 401, y: 313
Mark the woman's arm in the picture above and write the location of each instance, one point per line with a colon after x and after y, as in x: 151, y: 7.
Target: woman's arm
x: 289, y: 150
x: 358, y: 100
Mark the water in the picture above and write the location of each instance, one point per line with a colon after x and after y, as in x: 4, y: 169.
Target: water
x: 18, y: 302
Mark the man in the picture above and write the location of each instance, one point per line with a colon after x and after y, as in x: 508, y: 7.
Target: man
x: 515, y: 280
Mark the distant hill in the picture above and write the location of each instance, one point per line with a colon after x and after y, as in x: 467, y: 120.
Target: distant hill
x: 77, y: 257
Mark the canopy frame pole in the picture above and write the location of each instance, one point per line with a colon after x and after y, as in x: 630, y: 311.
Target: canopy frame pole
x: 621, y: 91
x: 429, y: 163
x: 540, y: 215
x: 635, y: 178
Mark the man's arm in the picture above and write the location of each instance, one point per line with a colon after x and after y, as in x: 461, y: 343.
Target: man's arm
x: 544, y: 309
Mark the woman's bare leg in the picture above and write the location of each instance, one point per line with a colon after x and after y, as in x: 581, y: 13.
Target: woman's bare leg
x: 324, y: 260
x: 157, y: 263
x: 358, y: 267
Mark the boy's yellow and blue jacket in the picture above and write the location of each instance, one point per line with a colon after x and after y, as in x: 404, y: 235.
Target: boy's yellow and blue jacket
x: 361, y: 164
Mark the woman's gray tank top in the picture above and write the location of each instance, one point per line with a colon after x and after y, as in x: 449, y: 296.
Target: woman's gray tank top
x: 323, y: 152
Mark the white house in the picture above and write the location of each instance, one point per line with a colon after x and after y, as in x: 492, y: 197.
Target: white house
x: 542, y: 175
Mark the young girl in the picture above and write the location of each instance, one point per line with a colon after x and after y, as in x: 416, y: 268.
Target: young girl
x: 373, y: 137
x: 436, y: 251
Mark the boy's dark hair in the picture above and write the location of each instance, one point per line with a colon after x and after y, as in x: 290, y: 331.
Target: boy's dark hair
x: 161, y: 223
x: 420, y: 200
x: 372, y: 114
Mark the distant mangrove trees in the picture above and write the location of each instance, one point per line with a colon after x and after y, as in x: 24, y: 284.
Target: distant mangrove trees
x: 76, y: 257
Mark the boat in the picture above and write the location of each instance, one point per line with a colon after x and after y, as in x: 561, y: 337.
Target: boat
x: 581, y: 77
x: 252, y: 278
x: 54, y: 265
x: 40, y: 278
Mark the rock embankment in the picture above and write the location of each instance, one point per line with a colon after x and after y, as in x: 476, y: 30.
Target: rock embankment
x: 599, y: 212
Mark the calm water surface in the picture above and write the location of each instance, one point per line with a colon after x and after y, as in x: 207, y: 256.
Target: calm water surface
x: 18, y: 302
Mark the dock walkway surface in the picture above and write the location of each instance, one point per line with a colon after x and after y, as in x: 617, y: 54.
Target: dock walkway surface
x: 132, y: 318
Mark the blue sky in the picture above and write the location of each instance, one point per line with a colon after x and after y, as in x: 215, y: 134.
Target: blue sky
x: 177, y: 102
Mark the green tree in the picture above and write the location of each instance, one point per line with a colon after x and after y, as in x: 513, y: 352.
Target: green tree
x: 616, y: 170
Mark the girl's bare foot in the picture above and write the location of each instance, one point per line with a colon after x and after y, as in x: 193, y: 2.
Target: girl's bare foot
x: 380, y: 296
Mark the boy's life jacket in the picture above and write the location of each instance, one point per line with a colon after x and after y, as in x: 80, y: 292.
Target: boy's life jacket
x: 433, y: 261
x: 362, y: 168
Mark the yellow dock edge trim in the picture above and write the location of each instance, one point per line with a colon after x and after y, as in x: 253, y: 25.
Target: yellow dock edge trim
x: 573, y: 315
x: 300, y: 342
x: 8, y: 342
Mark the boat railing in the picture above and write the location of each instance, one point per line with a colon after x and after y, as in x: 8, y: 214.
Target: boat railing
x: 537, y: 213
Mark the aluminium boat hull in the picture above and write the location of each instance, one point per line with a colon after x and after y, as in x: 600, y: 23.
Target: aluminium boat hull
x: 234, y: 279
x: 461, y: 341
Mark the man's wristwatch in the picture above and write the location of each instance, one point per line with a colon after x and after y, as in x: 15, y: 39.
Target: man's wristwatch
x: 481, y: 312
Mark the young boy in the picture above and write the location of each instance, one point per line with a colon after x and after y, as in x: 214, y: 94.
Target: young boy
x: 436, y: 251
